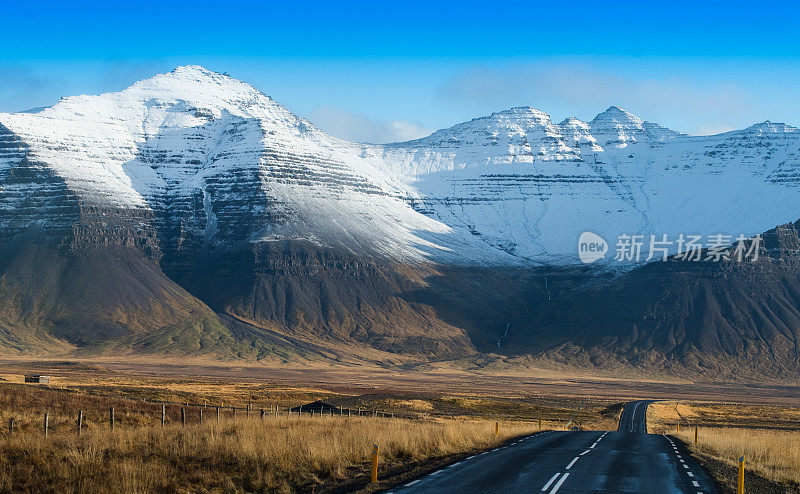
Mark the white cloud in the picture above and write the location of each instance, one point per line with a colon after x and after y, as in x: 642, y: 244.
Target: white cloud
x: 582, y: 90
x: 359, y: 128
x: 22, y: 88
x: 708, y: 130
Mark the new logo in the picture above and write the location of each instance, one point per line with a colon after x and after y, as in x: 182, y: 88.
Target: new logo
x: 591, y: 247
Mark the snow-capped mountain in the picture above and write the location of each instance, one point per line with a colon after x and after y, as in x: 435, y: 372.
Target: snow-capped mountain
x: 191, y: 213
x: 530, y: 187
x: 201, y: 161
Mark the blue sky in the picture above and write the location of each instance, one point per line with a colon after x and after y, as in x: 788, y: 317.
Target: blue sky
x: 367, y: 71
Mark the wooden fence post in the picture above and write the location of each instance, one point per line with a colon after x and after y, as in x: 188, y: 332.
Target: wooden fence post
x: 201, y: 416
x: 11, y: 426
x: 46, y: 423
x: 163, y: 414
x: 262, y: 414
x: 217, y: 414
x: 80, y: 421
x: 111, y: 417
x: 183, y: 416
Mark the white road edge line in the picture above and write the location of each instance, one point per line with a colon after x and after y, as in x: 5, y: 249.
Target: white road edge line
x: 550, y: 482
x: 558, y: 485
x: 694, y: 483
x: 412, y: 482
x: 572, y: 463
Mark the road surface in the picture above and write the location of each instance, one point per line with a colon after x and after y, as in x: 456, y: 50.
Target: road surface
x: 626, y: 460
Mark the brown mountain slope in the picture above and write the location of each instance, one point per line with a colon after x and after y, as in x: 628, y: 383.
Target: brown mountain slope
x: 723, y: 319
x: 100, y: 297
x: 300, y: 289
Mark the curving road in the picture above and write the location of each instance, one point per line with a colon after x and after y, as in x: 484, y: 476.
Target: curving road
x: 626, y: 460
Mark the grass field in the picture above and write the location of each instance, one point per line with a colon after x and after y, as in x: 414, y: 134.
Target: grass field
x: 244, y: 453
x: 277, y: 454
x: 768, y: 436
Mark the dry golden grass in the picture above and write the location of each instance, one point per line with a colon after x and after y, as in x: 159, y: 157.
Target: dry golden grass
x: 773, y: 454
x: 277, y: 454
x: 768, y: 436
x: 280, y: 454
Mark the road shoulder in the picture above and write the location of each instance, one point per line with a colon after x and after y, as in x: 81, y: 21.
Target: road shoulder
x: 725, y: 476
x: 402, y: 474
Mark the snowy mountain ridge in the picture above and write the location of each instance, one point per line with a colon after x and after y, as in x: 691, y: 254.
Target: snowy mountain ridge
x: 209, y: 162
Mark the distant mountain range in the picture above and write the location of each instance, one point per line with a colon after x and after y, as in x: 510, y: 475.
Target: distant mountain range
x: 191, y: 214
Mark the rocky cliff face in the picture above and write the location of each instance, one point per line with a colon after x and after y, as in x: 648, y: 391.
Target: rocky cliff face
x: 719, y: 319
x: 529, y: 187
x: 203, y: 195
x: 210, y: 163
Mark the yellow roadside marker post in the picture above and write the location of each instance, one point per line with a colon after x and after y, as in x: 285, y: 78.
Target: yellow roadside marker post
x: 374, y: 473
x: 695, y: 435
x: 740, y: 487
x: 678, y: 428
x: 496, y: 430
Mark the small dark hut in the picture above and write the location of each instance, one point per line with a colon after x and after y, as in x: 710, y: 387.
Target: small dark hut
x: 37, y: 379
x: 318, y: 407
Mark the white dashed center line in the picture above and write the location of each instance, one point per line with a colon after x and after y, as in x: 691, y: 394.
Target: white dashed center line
x: 550, y: 482
x: 572, y: 463
x: 558, y: 485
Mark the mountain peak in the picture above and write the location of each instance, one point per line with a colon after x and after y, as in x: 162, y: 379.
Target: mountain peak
x: 193, y: 69
x: 616, y: 114
x: 767, y: 127
x: 573, y: 122
x: 202, y: 87
x: 186, y: 75
x: 521, y: 113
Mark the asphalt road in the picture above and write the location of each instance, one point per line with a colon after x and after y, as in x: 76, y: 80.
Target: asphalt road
x: 626, y: 460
